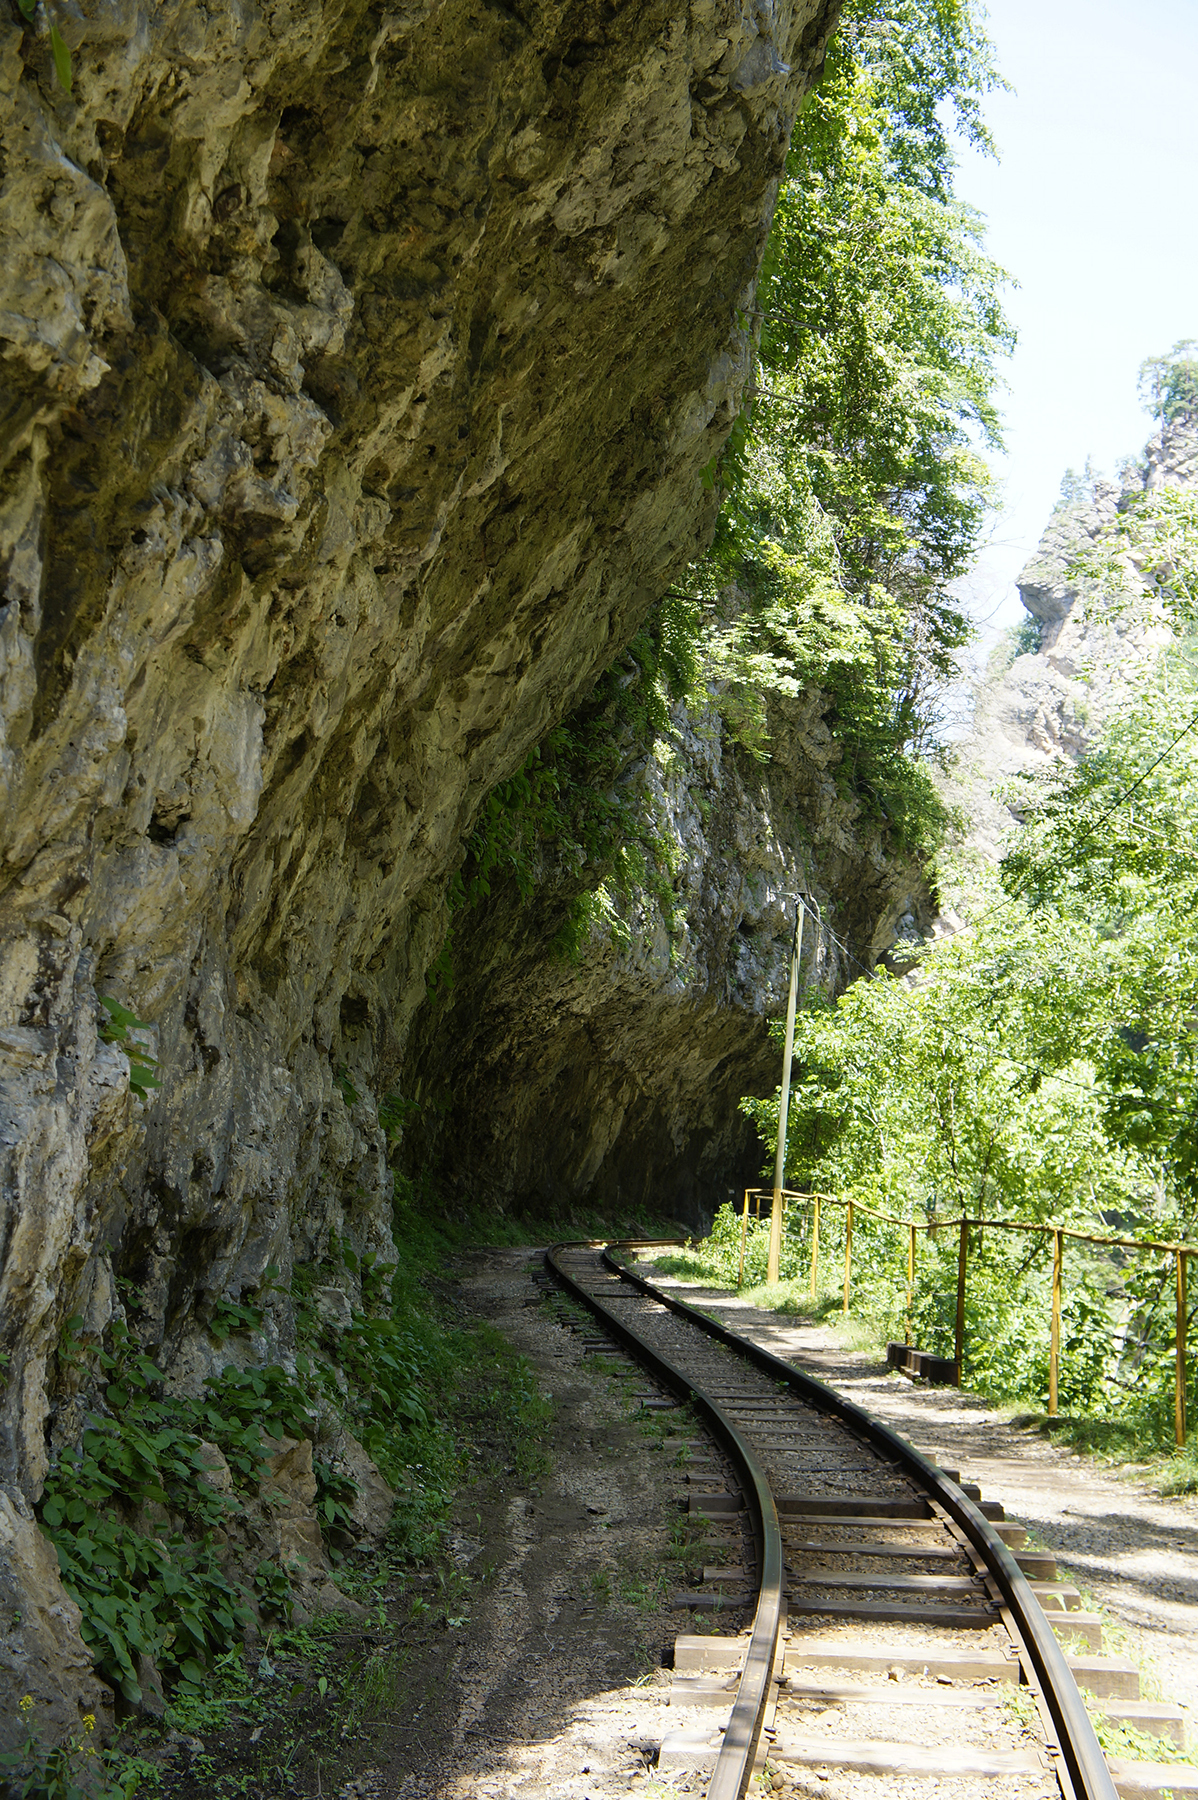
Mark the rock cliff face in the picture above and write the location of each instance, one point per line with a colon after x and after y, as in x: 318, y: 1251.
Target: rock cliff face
x: 615, y: 1080
x: 1097, y: 629
x: 360, y: 367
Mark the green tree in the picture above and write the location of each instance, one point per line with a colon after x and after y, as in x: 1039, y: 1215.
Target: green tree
x: 1108, y: 854
x: 854, y: 495
x: 1169, y: 383
x: 1041, y: 1065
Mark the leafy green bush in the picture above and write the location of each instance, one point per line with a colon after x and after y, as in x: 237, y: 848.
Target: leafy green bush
x: 717, y: 1258
x: 381, y: 1359
x: 118, y: 1027
x: 160, y: 1593
x: 272, y: 1589
x: 244, y: 1410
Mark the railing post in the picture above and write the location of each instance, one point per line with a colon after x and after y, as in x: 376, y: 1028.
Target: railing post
x: 959, y: 1339
x: 744, y: 1237
x: 775, y: 1250
x: 814, y: 1243
x: 910, y: 1279
x: 1054, y: 1348
x: 1179, y: 1391
x: 848, y: 1254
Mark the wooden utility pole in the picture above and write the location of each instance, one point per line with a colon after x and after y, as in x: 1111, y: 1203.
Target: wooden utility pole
x: 796, y: 952
x: 1179, y: 1390
x: 959, y: 1338
x: 1054, y: 1335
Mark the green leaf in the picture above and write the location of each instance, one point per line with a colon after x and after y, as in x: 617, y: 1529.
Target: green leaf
x: 62, y: 59
x: 120, y: 1016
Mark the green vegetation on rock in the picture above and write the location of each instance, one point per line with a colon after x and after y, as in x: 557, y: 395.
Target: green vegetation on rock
x: 852, y: 494
x: 161, y: 1514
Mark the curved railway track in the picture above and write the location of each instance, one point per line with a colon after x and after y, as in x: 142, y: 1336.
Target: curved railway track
x: 857, y: 1555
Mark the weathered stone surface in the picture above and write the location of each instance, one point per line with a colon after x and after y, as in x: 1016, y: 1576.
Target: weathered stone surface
x: 301, y: 1549
x: 41, y: 1652
x: 360, y: 369
x: 1097, y: 636
x: 153, y: 1700
x: 333, y: 1306
x: 374, y: 1501
x: 615, y: 1081
x: 217, y: 1474
x: 330, y: 1599
x: 288, y: 1483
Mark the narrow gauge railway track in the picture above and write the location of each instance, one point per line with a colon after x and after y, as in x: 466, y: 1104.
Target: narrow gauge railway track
x: 857, y: 1557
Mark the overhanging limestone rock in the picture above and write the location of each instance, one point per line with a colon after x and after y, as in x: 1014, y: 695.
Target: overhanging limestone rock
x: 360, y: 370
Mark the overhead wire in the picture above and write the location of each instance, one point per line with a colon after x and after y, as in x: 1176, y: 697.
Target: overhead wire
x: 1011, y: 900
x: 1116, y: 803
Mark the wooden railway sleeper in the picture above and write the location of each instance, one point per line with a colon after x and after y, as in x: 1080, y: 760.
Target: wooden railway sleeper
x: 977, y: 1532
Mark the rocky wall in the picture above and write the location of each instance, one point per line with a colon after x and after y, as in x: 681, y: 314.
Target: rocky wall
x: 359, y: 370
x: 612, y: 1080
x: 1100, y: 623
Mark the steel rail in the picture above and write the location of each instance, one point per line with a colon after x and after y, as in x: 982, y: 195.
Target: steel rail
x: 1081, y: 1753
x: 734, y: 1761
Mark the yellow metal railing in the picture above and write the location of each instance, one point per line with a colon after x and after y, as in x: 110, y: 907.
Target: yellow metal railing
x: 964, y: 1225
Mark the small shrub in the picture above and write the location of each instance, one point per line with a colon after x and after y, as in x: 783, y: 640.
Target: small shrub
x: 74, y: 1770
x: 117, y: 1029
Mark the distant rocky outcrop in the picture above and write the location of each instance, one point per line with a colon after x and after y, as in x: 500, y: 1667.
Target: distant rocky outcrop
x: 1098, y: 626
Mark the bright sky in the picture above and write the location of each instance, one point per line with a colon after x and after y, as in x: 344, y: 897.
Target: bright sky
x: 1093, y: 208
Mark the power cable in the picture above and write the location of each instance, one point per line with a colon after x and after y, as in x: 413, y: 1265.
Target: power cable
x: 1011, y: 899
x: 976, y: 1044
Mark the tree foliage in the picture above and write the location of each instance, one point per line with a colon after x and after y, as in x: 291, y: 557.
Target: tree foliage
x: 854, y: 494
x: 1169, y: 383
x: 1041, y: 1065
x: 1108, y: 855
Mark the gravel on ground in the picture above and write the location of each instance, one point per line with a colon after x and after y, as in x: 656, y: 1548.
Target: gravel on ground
x: 558, y: 1690
x: 1135, y: 1553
